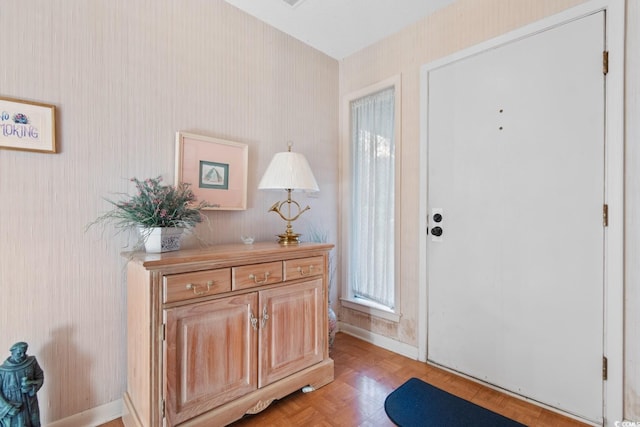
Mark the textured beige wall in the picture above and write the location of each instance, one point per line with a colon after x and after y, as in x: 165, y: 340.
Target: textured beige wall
x: 125, y: 76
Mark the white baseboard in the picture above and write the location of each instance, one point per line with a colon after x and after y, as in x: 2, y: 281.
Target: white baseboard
x: 92, y: 417
x: 380, y: 340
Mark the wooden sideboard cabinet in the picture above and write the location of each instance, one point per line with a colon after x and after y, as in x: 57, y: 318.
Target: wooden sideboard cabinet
x: 217, y: 333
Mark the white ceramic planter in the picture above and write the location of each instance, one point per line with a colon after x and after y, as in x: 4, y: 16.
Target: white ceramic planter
x: 161, y: 239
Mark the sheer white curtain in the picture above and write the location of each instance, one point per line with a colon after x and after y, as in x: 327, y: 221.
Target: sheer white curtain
x: 371, y: 237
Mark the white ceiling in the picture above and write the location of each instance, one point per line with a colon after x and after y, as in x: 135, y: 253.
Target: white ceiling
x: 339, y: 27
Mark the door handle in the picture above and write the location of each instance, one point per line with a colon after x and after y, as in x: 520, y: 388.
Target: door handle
x: 436, y: 231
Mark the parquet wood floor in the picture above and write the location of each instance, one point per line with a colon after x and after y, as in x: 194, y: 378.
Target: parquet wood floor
x: 364, y: 376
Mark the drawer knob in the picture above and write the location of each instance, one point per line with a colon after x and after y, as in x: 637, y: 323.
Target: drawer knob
x: 195, y: 290
x: 305, y: 273
x: 260, y: 282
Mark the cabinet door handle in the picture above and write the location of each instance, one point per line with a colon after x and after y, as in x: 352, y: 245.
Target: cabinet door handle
x: 260, y: 282
x: 265, y: 317
x: 253, y: 320
x: 305, y: 273
x: 195, y: 290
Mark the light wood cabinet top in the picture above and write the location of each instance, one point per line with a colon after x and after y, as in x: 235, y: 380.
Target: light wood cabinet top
x: 226, y: 254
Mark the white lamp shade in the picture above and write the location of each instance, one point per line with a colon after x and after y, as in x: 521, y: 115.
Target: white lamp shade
x: 289, y: 171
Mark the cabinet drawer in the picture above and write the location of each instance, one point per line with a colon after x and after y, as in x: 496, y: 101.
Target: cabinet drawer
x: 180, y: 287
x: 303, y: 267
x: 253, y: 275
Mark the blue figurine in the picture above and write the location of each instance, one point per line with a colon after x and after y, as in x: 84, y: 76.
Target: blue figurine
x: 20, y: 380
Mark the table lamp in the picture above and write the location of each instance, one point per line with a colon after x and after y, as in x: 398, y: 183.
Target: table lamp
x: 288, y: 171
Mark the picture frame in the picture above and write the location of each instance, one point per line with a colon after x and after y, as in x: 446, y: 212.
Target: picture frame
x: 27, y: 126
x: 215, y: 168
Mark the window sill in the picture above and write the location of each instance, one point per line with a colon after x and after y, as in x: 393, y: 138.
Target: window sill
x: 371, y: 308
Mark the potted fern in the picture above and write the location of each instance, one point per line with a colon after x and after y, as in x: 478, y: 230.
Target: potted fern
x: 159, y: 212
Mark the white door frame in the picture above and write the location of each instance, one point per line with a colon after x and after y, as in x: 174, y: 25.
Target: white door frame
x: 614, y: 186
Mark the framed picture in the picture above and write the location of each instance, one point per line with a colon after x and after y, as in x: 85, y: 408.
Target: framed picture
x: 215, y: 168
x: 27, y: 126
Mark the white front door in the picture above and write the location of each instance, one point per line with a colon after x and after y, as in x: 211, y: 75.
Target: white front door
x: 516, y: 171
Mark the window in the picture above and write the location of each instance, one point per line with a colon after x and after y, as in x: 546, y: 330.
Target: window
x: 370, y: 201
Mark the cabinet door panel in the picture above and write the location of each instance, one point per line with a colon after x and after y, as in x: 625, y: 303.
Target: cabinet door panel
x: 210, y: 353
x: 292, y: 337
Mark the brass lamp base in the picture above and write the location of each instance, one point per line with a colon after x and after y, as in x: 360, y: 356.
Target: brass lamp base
x: 289, y: 239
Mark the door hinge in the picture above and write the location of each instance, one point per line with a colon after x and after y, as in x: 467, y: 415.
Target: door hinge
x: 163, y: 332
x: 605, y: 215
x: 604, y: 368
x: 163, y: 406
x: 605, y: 62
